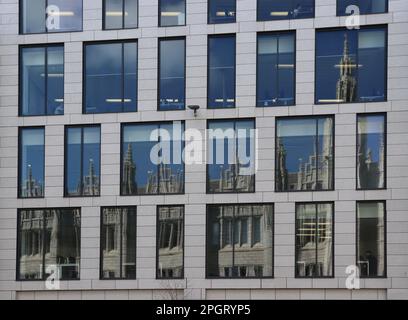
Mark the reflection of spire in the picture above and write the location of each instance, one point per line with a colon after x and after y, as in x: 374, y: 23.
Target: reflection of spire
x: 282, y: 177
x: 31, y: 187
x: 91, y: 181
x: 129, y: 172
x: 346, y: 85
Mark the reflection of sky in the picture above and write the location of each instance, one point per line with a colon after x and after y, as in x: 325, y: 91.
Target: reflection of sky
x: 225, y: 6
x: 33, y: 154
x: 304, y: 9
x: 365, y: 6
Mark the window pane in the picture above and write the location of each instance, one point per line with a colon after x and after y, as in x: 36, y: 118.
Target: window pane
x: 276, y: 69
x: 113, y: 14
x: 118, y: 243
x: 285, y: 9
x: 131, y: 13
x: 172, y: 13
x: 33, y: 16
x: 69, y: 14
x: 240, y: 241
x: 55, y: 80
x: 371, y: 239
x: 73, y: 161
x: 170, y: 242
x: 130, y: 69
x: 325, y: 155
x: 371, y: 152
x: 221, y: 73
x: 32, y: 163
x: 364, y: 6
x: 172, y: 71
x: 324, y: 266
x: 91, y: 161
x: 222, y: 11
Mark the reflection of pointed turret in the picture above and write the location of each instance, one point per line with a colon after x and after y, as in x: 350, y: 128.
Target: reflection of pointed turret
x: 282, y: 176
x: 129, y: 172
x: 31, y: 187
x: 90, y: 183
x: 346, y: 85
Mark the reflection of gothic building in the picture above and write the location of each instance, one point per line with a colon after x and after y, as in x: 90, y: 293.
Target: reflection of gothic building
x: 245, y: 241
x: 316, y: 173
x: 58, y: 243
x: 90, y: 182
x: 346, y: 89
x: 31, y: 188
x: 170, y: 242
x: 129, y: 185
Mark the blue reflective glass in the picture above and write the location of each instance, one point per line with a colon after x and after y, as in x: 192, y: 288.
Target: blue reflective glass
x: 172, y: 13
x: 111, y: 77
x: 31, y: 184
x: 172, y: 74
x: 364, y: 7
x: 285, y: 9
x: 120, y: 14
x: 221, y: 71
x: 221, y: 11
x: 151, y: 159
x: 276, y: 70
x: 55, y: 80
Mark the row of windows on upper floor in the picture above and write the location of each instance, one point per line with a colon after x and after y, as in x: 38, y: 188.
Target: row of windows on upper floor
x: 39, y: 16
x: 239, y: 241
x: 350, y: 66
x: 154, y: 155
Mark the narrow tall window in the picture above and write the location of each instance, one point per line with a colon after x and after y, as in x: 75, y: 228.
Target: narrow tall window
x: 239, y: 241
x: 304, y: 154
x: 41, y: 16
x: 152, y: 160
x: 285, y: 9
x: 170, y: 242
x: 276, y: 69
x: 118, y: 243
x: 314, y: 240
x: 31, y: 162
x: 371, y: 151
x: 172, y: 13
x: 49, y: 244
x: 351, y: 65
x: 172, y: 81
x: 110, y: 77
x: 221, y: 11
x: 221, y: 71
x: 42, y: 80
x: 120, y: 14
x: 348, y: 7
x: 82, y: 161
x: 231, y: 156
x: 371, y: 231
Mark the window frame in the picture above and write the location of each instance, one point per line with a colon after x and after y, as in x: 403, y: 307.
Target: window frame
x: 122, y: 126
x: 215, y: 23
x: 158, y: 244
x: 386, y: 49
x: 158, y: 69
x: 333, y: 224
x: 277, y: 33
x: 84, y: 74
x: 45, y: 46
x: 81, y: 126
x: 290, y: 19
x: 384, y: 202
x: 159, y: 10
x: 101, y: 239
x: 21, y: 19
x: 207, y: 229
x: 18, y: 240
x: 368, y: 114
x: 214, y: 36
x: 20, y: 158
x: 315, y: 117
x: 123, y: 17
x: 363, y: 14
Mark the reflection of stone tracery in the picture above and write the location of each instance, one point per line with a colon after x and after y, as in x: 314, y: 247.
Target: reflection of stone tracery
x: 346, y: 88
x: 31, y: 188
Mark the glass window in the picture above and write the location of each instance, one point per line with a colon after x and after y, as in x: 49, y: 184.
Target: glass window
x: 172, y: 13
x: 364, y: 7
x: 239, y: 241
x: 371, y: 147
x: 31, y: 163
x: 314, y: 240
x: 305, y: 154
x: 276, y: 69
x: 231, y: 157
x: 172, y: 74
x: 152, y: 158
x: 351, y: 65
x: 118, y: 243
x: 42, y: 80
x: 371, y: 239
x: 120, y: 14
x: 82, y: 161
x: 49, y: 244
x: 41, y: 16
x: 221, y: 11
x: 170, y: 242
x: 285, y: 9
x: 221, y: 71
x: 111, y: 77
